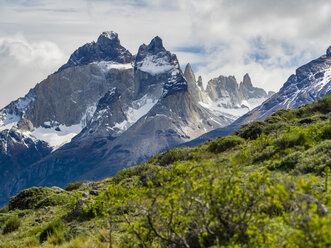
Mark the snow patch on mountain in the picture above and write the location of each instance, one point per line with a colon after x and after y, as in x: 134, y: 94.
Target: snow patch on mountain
x: 56, y: 136
x: 105, y: 66
x: 139, y: 108
x: 223, y: 107
x: 110, y: 34
x: 12, y: 114
x: 325, y: 80
x: 8, y: 121
x: 87, y: 117
x: 154, y: 65
x: 253, y: 102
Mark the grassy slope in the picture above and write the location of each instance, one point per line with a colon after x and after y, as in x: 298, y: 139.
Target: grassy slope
x: 265, y: 186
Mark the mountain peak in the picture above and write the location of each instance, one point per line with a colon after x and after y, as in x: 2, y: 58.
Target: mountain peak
x: 107, y: 48
x: 328, y: 52
x: 247, y: 81
x: 189, y: 74
x: 109, y: 35
x: 156, y: 42
x: 155, y: 46
x: 188, y: 67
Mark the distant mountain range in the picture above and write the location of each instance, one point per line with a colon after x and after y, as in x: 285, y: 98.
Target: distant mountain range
x: 107, y: 109
x: 309, y: 83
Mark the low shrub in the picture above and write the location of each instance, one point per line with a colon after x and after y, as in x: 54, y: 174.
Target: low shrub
x: 176, y: 154
x: 130, y: 172
x: 5, y: 209
x: 287, y: 114
x: 12, y: 224
x: 265, y: 154
x: 291, y: 139
x: 224, y: 143
x: 35, y: 198
x: 316, y: 158
x: 251, y: 131
x: 73, y: 232
x: 73, y: 186
x: 326, y: 132
x: 31, y: 242
x: 54, y: 232
x: 55, y: 199
x: 287, y: 163
x: 28, y: 198
x: 323, y: 105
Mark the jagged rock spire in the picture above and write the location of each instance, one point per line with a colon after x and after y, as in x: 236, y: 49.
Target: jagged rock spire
x: 189, y: 74
x: 247, y: 81
x: 156, y: 44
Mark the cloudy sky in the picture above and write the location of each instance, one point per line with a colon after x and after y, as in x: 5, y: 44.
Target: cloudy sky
x: 266, y: 38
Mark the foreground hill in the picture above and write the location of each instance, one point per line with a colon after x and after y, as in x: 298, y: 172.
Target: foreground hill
x: 267, y: 185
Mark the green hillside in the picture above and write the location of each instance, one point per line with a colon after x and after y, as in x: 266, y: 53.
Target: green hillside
x: 265, y: 186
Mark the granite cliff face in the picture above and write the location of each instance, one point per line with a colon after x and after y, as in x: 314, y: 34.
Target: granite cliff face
x: 102, y: 111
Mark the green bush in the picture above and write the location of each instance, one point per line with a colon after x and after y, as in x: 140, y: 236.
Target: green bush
x: 293, y: 137
x: 224, y: 143
x: 131, y: 172
x: 73, y: 186
x: 53, y: 230
x: 251, y: 131
x: 176, y: 154
x: 28, y: 198
x: 5, y: 209
x: 73, y: 232
x: 12, y: 224
x: 316, y: 158
x: 35, y: 198
x: 55, y: 199
x: 314, y: 232
x: 286, y: 114
x: 265, y: 154
x: 287, y: 163
x: 323, y: 105
x: 326, y: 132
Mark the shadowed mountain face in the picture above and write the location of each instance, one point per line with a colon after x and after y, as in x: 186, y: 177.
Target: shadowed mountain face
x: 102, y: 111
x: 310, y: 82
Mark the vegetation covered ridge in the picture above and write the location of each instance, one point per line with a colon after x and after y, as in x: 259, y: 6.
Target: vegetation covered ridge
x: 267, y: 185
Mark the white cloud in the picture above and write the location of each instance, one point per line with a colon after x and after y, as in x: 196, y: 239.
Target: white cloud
x: 24, y: 64
x: 266, y: 38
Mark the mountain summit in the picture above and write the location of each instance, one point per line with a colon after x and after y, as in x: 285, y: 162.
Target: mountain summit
x: 107, y: 48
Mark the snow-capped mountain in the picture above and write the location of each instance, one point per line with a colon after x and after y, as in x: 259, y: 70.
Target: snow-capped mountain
x: 223, y: 96
x: 104, y: 110
x: 309, y: 83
